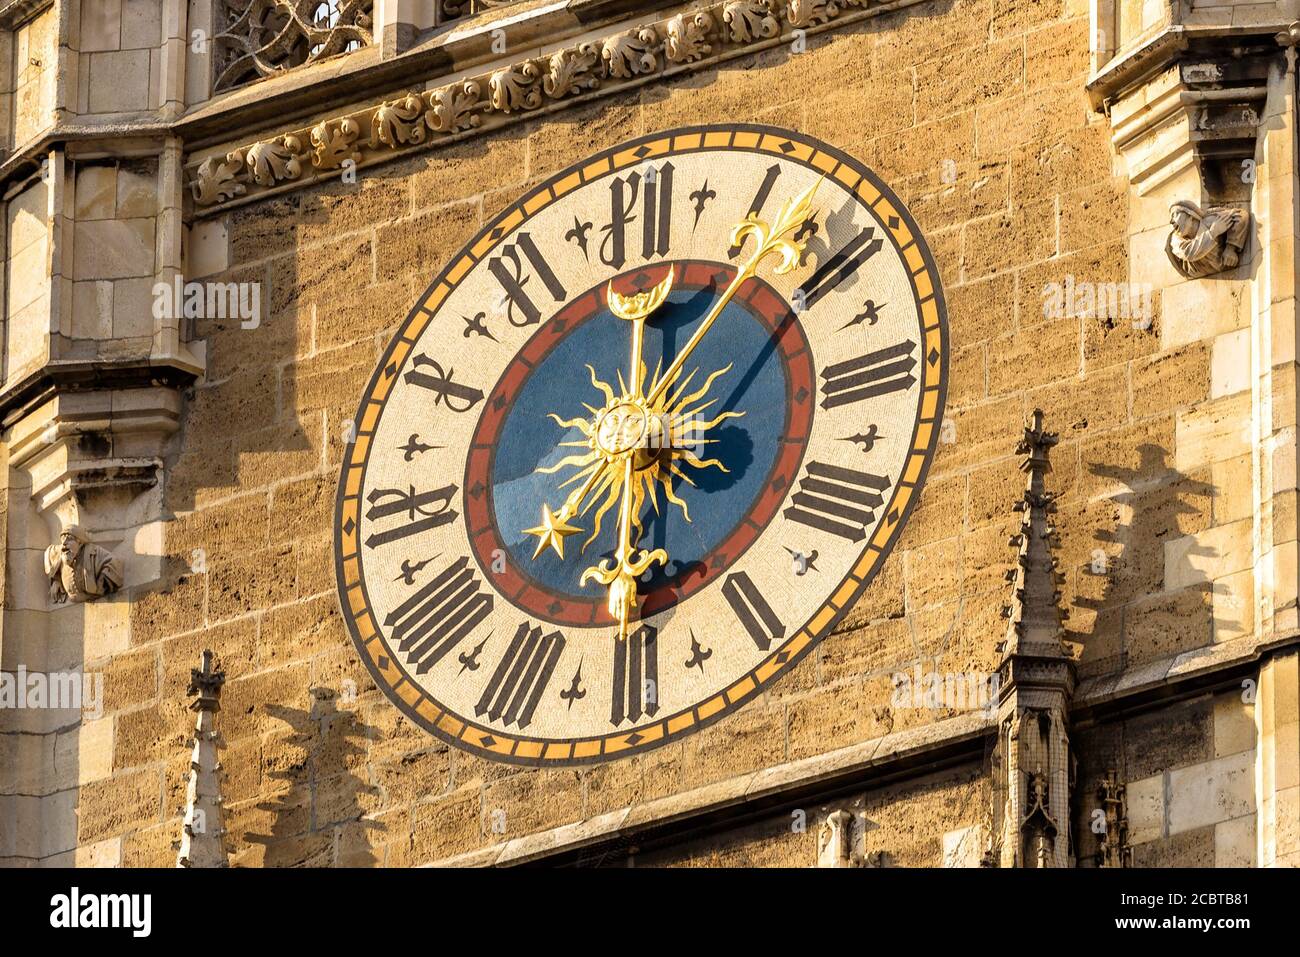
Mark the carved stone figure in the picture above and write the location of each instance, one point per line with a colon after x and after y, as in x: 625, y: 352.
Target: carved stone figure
x: 1205, y: 241
x: 79, y: 570
x: 835, y: 841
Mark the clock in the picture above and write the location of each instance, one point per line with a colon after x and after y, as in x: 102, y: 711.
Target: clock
x: 641, y: 444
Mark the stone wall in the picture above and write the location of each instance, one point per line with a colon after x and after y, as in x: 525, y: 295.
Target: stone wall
x: 975, y: 113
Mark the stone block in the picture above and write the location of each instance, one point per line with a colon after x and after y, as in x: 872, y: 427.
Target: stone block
x: 1146, y: 809
x: 1234, y: 842
x: 96, y: 192
x: 1208, y: 555
x: 1206, y: 794
x: 1167, y: 381
x: 119, y: 82
x: 114, y: 249
x: 1177, y: 737
x: 1234, y: 724
x: 1230, y: 366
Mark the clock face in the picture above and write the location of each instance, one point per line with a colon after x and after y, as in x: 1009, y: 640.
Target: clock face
x: 549, y: 552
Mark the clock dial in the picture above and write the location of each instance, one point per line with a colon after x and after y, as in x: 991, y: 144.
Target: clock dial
x: 641, y: 444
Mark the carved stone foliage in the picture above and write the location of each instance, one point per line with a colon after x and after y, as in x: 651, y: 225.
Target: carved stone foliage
x: 424, y: 117
x: 1203, y: 242
x: 260, y: 37
x: 79, y: 570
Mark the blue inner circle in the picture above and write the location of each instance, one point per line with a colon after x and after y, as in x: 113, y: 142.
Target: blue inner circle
x: 529, y: 440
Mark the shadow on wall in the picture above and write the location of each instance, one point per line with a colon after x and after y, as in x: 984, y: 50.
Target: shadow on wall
x: 317, y: 815
x: 1135, y: 619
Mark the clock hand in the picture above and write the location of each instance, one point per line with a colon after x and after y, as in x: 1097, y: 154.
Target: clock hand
x: 621, y: 572
x: 555, y: 525
x: 770, y: 239
x: 629, y: 562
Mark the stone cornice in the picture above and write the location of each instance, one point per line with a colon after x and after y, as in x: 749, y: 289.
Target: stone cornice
x: 813, y: 781
x: 550, y: 79
x: 14, y: 13
x: 1162, y: 49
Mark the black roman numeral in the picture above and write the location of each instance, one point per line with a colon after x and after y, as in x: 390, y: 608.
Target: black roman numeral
x: 760, y: 200
x: 655, y: 193
x: 516, y: 686
x: 754, y: 612
x: 837, y: 500
x: 456, y: 396
x: 838, y: 268
x: 877, y: 373
x: 508, y: 269
x: 636, y: 675
x: 433, y: 621
x: 423, y: 510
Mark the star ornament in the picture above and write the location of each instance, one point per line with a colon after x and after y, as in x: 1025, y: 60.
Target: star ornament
x: 552, y: 532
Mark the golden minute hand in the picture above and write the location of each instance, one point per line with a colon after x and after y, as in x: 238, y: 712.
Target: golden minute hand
x: 779, y: 238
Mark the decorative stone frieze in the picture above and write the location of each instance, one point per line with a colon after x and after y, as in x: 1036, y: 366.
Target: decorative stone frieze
x: 451, y: 111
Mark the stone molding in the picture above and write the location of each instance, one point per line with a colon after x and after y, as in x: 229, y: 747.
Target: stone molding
x: 620, y: 59
x: 14, y: 13
x: 875, y: 762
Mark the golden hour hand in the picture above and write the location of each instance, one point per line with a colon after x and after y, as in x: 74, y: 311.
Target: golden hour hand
x: 630, y: 429
x: 618, y: 430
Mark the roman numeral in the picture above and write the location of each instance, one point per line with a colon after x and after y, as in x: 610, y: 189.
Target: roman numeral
x: 423, y: 510
x: 837, y: 500
x: 516, y: 686
x: 760, y: 200
x: 755, y: 614
x: 433, y: 621
x: 877, y: 373
x: 655, y: 193
x: 838, y: 268
x: 636, y: 676
x: 456, y: 396
x: 508, y: 269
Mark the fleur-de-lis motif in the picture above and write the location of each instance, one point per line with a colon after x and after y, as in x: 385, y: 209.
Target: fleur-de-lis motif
x: 779, y: 236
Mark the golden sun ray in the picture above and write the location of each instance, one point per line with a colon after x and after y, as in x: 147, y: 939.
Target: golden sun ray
x: 672, y: 433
